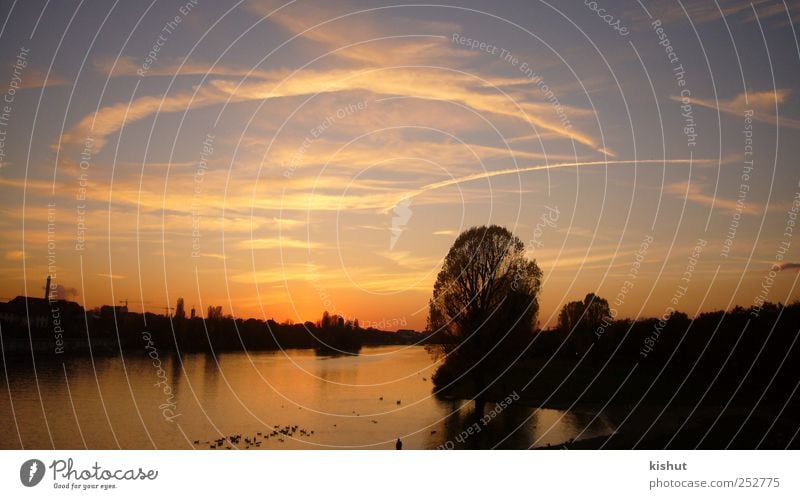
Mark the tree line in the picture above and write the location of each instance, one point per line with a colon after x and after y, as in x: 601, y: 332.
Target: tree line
x: 482, y: 318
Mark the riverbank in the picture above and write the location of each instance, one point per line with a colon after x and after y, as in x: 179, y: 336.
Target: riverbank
x: 652, y: 408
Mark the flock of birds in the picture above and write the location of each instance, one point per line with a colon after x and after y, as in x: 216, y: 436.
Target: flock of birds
x: 278, y: 433
x: 235, y: 441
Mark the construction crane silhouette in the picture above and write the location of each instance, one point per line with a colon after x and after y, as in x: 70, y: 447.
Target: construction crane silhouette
x: 167, y: 309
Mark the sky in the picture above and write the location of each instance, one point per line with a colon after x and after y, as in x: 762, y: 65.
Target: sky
x: 281, y: 159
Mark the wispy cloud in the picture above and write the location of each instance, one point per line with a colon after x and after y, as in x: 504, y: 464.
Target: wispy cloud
x: 112, y: 276
x: 108, y: 120
x: 383, y: 67
x: 15, y: 255
x: 763, y: 104
x: 407, y: 260
x: 704, y: 12
x: 344, y: 29
x: 278, y: 242
x: 39, y: 79
x: 694, y: 192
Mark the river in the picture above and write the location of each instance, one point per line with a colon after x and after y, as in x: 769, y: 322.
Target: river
x: 292, y: 399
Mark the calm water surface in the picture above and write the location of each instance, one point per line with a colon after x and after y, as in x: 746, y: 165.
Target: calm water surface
x: 364, y: 401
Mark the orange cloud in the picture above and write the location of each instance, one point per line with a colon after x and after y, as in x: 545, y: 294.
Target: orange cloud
x: 15, y: 255
x: 358, y: 35
x: 694, y: 193
x: 763, y: 104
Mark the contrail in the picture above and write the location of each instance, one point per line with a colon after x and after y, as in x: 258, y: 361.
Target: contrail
x: 508, y: 171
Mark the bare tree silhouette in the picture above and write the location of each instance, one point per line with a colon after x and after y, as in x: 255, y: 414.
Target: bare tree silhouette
x: 483, y: 309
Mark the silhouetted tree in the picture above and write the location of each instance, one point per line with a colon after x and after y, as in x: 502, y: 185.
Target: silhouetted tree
x: 180, y: 310
x: 334, y: 335
x: 581, y: 320
x: 214, y: 313
x: 483, y: 309
x: 325, y: 322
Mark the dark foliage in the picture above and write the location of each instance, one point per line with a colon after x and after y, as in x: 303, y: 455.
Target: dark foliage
x: 483, y: 308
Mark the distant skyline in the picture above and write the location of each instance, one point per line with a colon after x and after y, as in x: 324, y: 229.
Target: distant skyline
x: 281, y: 159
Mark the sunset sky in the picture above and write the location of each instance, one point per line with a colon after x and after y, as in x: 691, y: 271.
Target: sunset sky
x: 282, y: 159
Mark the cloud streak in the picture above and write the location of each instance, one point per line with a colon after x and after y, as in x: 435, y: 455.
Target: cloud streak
x: 512, y: 171
x: 763, y: 105
x: 380, y: 64
x: 694, y: 193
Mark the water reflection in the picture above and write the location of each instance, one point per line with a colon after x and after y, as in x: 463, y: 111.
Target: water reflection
x: 364, y: 401
x: 514, y: 427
